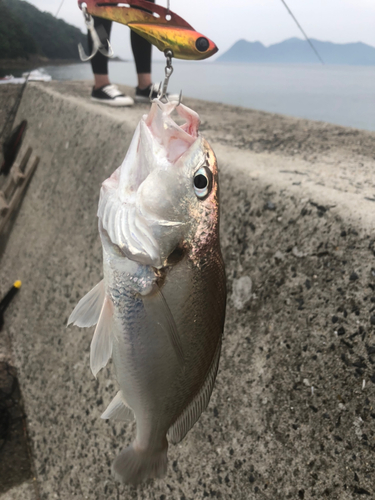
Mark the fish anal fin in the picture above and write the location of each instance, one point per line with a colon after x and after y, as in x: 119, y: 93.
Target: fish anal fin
x: 101, y: 344
x: 192, y: 412
x: 118, y: 410
x: 87, y: 311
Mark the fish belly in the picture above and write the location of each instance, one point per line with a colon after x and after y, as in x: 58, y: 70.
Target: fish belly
x: 155, y: 385
x: 165, y: 394
x: 144, y: 360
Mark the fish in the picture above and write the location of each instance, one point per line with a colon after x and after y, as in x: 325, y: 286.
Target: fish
x: 160, y: 26
x: 160, y: 307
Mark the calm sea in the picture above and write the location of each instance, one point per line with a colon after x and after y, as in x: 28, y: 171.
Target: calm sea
x: 344, y: 95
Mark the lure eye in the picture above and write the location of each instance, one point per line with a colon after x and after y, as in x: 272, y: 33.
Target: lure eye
x: 202, y: 44
x: 202, y: 182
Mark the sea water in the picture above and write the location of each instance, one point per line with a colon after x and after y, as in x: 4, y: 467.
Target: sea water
x: 344, y: 95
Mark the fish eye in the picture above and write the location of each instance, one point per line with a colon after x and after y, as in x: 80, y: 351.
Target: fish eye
x: 202, y: 44
x: 202, y: 182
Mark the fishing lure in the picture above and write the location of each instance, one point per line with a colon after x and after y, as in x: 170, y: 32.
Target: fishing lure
x: 158, y: 25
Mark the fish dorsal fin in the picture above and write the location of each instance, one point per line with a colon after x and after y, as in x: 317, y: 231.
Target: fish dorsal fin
x: 118, y: 410
x: 101, y: 344
x: 159, y: 312
x: 192, y: 412
x: 86, y: 313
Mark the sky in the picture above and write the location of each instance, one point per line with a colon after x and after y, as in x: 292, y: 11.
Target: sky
x: 266, y: 21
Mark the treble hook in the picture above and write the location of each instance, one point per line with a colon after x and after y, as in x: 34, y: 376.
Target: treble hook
x: 97, y: 44
x: 163, y: 87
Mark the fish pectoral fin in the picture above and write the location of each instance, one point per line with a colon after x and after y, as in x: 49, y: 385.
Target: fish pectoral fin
x: 118, y: 410
x: 101, y: 344
x: 192, y: 412
x: 158, y: 311
x: 86, y: 313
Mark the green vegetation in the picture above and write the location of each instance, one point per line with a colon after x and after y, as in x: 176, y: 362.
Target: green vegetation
x: 25, y: 30
x: 15, y: 41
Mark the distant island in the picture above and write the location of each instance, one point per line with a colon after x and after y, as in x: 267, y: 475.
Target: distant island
x: 27, y: 34
x: 295, y: 50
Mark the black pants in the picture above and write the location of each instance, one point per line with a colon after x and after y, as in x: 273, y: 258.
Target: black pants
x: 141, y: 49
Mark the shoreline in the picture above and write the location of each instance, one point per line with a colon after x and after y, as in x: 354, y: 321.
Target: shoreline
x: 35, y: 62
x: 317, y: 101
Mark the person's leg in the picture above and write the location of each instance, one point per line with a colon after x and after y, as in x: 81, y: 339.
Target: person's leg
x: 142, y: 57
x: 99, y: 63
x: 103, y: 91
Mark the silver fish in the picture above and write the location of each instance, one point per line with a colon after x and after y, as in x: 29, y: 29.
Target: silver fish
x: 160, y: 308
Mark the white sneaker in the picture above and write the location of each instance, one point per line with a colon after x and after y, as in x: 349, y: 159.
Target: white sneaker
x: 111, y: 96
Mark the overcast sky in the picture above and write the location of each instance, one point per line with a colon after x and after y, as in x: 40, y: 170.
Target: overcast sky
x: 267, y: 21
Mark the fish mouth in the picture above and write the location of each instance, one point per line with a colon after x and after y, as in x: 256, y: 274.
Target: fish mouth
x: 173, y: 138
x: 157, y: 144
x: 137, y: 207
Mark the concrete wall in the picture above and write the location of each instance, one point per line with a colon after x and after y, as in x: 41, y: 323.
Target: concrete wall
x: 292, y: 414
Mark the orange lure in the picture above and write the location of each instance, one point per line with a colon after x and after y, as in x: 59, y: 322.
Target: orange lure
x: 161, y: 27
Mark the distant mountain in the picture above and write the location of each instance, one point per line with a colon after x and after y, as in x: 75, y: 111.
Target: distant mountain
x: 25, y: 30
x: 295, y: 50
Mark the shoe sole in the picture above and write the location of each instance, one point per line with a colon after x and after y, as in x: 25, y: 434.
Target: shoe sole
x: 113, y: 103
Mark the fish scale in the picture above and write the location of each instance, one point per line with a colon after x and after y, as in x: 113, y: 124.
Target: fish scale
x: 160, y: 308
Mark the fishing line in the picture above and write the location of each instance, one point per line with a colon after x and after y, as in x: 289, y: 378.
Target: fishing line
x: 304, y: 34
x: 58, y: 10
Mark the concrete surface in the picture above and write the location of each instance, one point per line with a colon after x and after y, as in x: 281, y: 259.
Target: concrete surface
x: 292, y: 413
x: 24, y: 491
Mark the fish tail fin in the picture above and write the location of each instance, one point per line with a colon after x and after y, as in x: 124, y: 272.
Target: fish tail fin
x: 133, y: 466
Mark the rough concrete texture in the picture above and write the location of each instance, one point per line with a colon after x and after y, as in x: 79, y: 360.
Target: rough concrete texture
x: 15, y: 461
x: 15, y: 466
x: 25, y: 491
x: 292, y: 413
